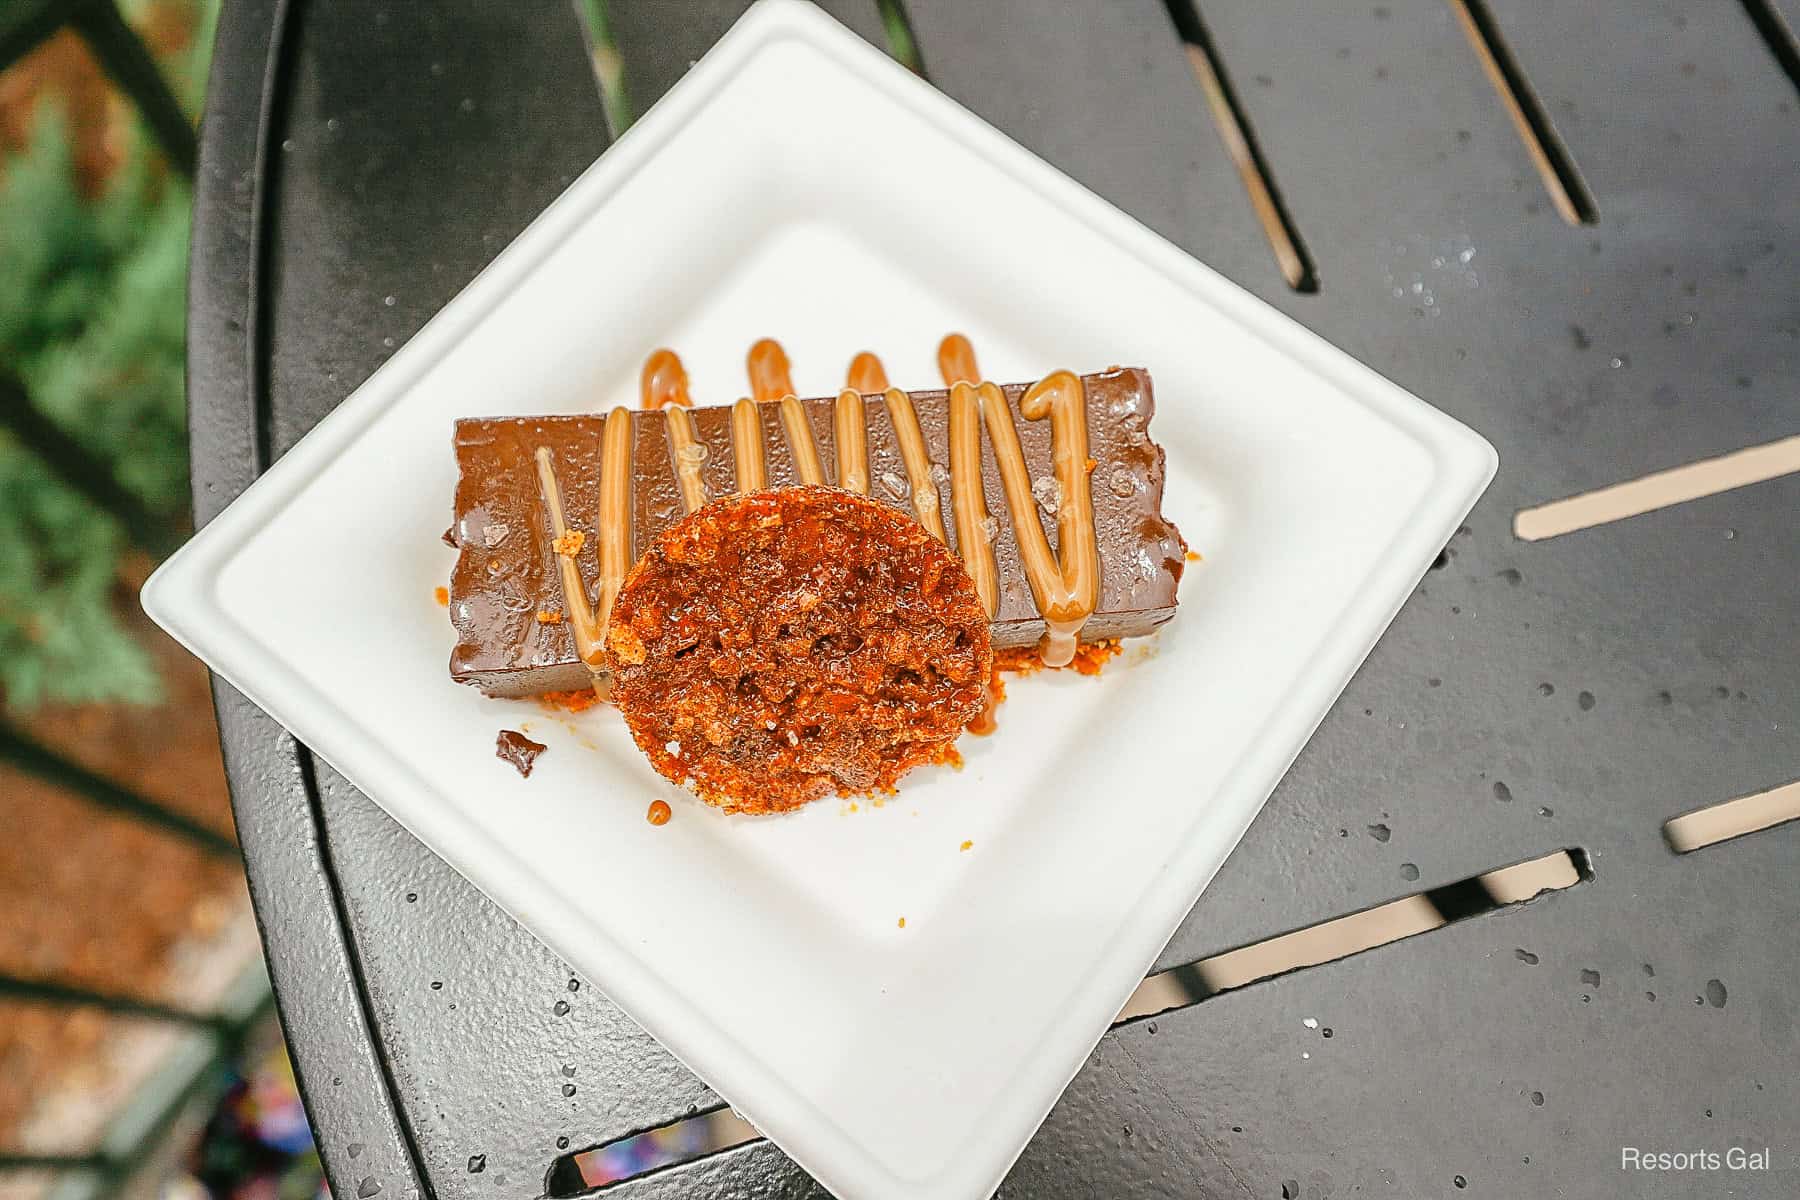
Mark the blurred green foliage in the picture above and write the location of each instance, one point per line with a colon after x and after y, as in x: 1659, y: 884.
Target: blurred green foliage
x: 92, y: 322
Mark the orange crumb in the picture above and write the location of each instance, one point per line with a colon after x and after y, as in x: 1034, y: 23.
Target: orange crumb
x: 1027, y: 660
x: 968, y: 845
x: 443, y: 596
x: 549, y: 618
x: 574, y: 702
x: 853, y: 806
x: 659, y: 813
x: 1193, y: 556
x: 570, y: 543
x: 1090, y: 657
x: 903, y: 922
x: 1091, y: 464
x: 948, y: 756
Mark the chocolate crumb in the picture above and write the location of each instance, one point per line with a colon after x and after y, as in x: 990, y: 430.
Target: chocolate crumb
x: 515, y: 748
x: 449, y: 537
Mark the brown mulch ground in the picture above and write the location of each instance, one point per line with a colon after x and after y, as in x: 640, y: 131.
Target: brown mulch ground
x: 95, y: 899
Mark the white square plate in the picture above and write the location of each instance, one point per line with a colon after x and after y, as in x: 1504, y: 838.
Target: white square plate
x: 797, y: 183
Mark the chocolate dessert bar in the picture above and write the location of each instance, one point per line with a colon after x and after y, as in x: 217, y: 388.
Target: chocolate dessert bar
x: 517, y: 635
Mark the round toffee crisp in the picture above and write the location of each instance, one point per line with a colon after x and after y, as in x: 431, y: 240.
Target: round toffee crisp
x: 774, y: 648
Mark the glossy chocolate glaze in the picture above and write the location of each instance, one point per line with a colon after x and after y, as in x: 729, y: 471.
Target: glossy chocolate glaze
x: 506, y: 574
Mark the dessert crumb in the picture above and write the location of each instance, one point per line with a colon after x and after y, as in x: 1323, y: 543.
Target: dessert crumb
x: 968, y: 845
x: 659, y: 813
x: 902, y: 922
x: 549, y: 618
x: 442, y: 596
x: 570, y: 543
x: 518, y: 751
x: 1193, y: 556
x: 572, y: 702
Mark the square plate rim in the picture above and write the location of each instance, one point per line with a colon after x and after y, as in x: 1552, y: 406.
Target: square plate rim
x: 181, y: 597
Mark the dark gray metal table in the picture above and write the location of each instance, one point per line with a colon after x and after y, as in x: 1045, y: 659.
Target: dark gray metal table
x: 360, y: 162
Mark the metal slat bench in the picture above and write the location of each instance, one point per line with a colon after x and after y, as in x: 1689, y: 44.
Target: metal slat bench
x: 1572, y: 693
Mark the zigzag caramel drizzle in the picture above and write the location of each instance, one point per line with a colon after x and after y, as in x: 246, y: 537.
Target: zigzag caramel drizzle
x: 1066, y: 591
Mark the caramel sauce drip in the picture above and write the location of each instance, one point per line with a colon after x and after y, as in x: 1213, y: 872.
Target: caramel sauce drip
x: 867, y: 375
x: 588, y: 640
x: 850, y: 434
x: 664, y: 382
x: 747, y: 447
x: 956, y: 361
x: 767, y: 363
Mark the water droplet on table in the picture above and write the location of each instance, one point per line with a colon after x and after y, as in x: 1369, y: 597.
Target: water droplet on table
x: 368, y: 1187
x: 1380, y: 833
x: 1409, y: 872
x: 477, y: 1163
x: 560, y: 1008
x: 1526, y: 957
x: 1715, y: 993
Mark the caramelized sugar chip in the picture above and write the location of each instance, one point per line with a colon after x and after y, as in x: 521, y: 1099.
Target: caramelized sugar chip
x: 774, y: 648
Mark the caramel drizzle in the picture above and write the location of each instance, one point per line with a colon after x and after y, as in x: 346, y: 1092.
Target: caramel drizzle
x: 588, y: 635
x: 1065, y: 584
x: 747, y: 447
x: 664, y: 382
x: 868, y: 375
x: 613, y: 525
x: 664, y: 385
x: 614, y: 519
x: 767, y: 363
x: 688, y: 455
x: 850, y: 435
x: 1066, y: 592
x: 968, y: 498
x: 800, y: 440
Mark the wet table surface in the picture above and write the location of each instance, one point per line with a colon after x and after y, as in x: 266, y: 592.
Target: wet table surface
x: 361, y: 162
